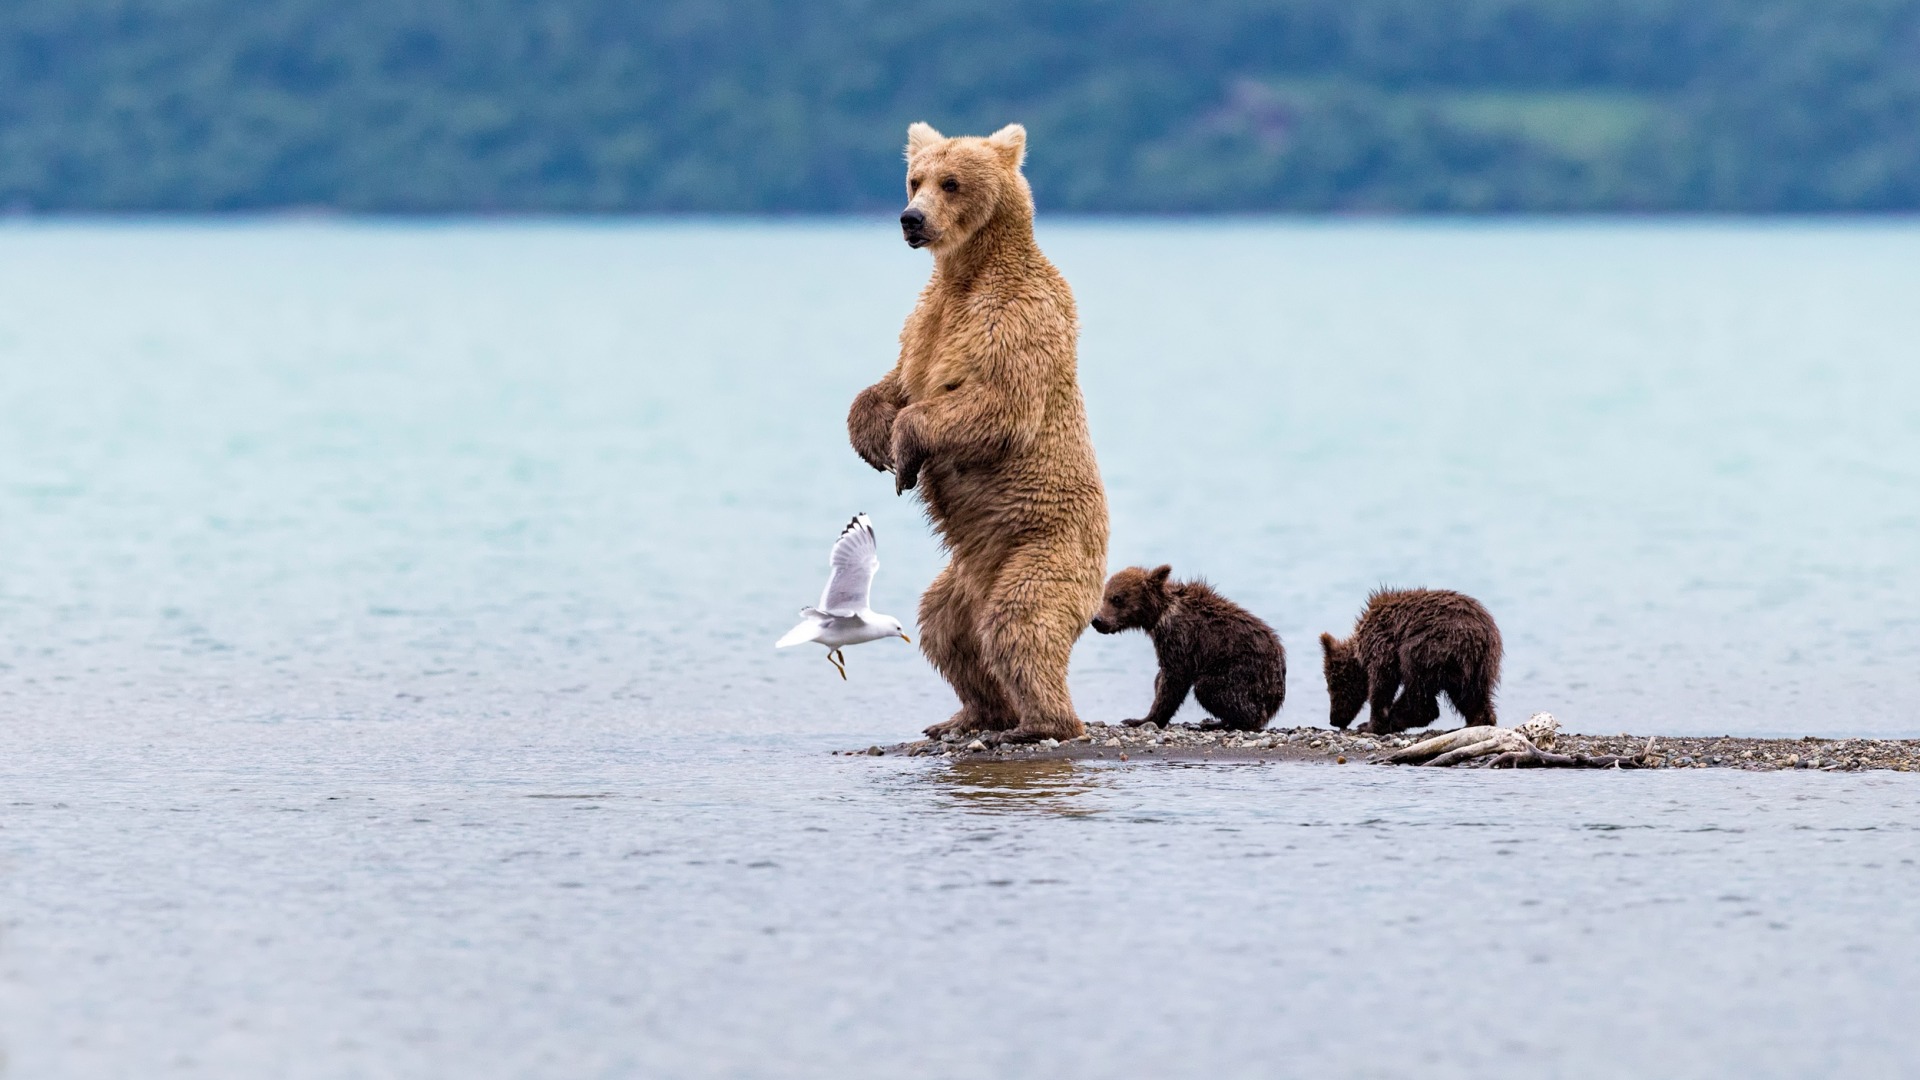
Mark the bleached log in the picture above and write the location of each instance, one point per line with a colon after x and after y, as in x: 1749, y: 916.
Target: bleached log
x: 1504, y: 741
x: 1445, y: 743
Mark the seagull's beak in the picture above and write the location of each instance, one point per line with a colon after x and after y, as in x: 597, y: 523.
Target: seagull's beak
x: 905, y: 638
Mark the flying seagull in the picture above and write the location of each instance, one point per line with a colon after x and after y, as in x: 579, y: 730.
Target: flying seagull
x: 843, y: 617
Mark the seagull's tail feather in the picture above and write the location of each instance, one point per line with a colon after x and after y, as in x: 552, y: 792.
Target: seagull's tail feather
x: 809, y: 629
x: 805, y: 632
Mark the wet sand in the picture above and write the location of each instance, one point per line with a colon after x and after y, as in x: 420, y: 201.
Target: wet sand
x: 1182, y: 742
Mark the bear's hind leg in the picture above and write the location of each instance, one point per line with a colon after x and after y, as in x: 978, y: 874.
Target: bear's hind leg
x: 947, y: 639
x: 1475, y: 704
x: 1027, y: 629
x: 1231, y: 698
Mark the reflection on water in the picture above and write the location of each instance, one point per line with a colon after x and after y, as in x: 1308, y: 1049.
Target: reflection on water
x: 1018, y: 787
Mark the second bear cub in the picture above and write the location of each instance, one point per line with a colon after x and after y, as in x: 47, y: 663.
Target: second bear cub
x: 1233, y: 662
x: 1429, y: 641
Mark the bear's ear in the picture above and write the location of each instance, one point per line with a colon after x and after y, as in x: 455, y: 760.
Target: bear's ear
x: 1010, y: 143
x: 921, y: 135
x: 1327, y: 644
x: 1160, y: 573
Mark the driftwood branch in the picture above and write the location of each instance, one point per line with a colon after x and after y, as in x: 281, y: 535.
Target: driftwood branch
x: 1456, y: 746
x: 1527, y: 747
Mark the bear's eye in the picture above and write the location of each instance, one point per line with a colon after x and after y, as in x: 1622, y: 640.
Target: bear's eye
x: 949, y: 185
x: 913, y: 186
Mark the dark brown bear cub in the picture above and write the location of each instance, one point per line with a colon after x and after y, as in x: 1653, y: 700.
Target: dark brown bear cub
x: 1429, y: 641
x: 1233, y: 662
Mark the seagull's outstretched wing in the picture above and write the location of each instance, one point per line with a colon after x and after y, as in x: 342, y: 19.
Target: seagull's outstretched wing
x: 856, y: 557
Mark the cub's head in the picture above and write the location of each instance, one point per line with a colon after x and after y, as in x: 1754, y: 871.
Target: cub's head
x: 956, y: 185
x: 1135, y: 599
x: 1346, y: 680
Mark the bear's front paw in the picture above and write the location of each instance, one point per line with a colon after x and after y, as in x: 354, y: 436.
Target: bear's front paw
x: 1142, y: 722
x: 909, y: 452
x: 870, y: 429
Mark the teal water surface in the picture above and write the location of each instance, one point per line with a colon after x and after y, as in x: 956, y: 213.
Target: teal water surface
x: 386, y: 684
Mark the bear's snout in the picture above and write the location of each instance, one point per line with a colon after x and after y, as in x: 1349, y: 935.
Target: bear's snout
x: 913, y: 225
x: 1102, y: 626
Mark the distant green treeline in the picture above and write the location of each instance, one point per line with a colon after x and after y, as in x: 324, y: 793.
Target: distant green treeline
x: 1194, y: 106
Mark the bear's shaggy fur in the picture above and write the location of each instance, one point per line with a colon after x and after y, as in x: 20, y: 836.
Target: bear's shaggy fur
x: 1431, y: 640
x: 1233, y: 662
x: 982, y: 415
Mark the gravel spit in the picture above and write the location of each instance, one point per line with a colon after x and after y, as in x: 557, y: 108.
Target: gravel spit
x: 1185, y: 742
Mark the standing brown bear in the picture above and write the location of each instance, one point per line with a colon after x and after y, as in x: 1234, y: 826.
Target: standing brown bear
x: 1233, y: 662
x: 982, y: 416
x: 1430, y: 640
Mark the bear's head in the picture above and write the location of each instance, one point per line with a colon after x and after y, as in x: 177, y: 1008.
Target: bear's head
x: 954, y: 186
x: 1135, y: 599
x: 1346, y: 680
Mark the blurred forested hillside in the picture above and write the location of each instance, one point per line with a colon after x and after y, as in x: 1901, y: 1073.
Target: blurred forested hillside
x: 722, y: 105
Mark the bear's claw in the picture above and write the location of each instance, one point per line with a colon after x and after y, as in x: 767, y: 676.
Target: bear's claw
x: 959, y: 725
x: 1023, y: 735
x: 906, y: 476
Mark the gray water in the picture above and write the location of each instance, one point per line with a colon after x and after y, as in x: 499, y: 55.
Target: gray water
x: 386, y: 685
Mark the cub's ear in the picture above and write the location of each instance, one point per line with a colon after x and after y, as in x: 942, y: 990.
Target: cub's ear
x: 921, y: 135
x: 1010, y: 143
x: 1159, y: 575
x: 1327, y: 644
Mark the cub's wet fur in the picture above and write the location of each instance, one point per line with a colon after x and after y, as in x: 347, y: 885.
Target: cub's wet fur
x: 1231, y: 660
x: 1420, y: 643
